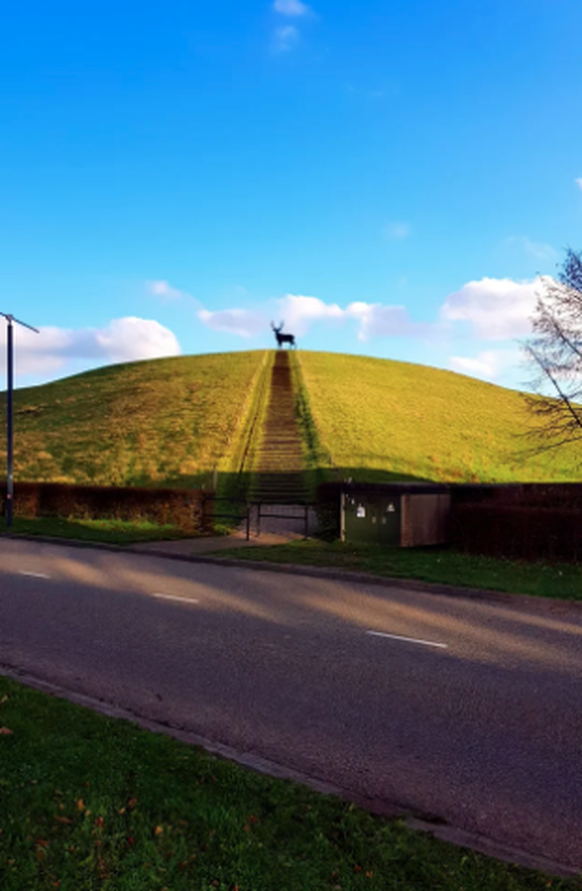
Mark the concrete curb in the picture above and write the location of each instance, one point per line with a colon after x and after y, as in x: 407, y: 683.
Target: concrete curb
x: 550, y: 604
x: 389, y: 810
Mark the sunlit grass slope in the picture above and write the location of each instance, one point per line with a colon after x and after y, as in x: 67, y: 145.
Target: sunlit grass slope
x: 378, y: 418
x: 162, y: 422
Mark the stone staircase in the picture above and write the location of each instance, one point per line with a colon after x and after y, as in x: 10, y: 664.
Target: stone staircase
x: 278, y: 465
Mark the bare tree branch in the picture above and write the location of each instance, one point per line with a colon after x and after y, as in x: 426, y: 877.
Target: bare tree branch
x: 555, y: 353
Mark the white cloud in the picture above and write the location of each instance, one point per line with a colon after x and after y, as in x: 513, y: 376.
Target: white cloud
x: 397, y: 230
x: 123, y: 340
x: 377, y: 320
x: 296, y: 311
x: 165, y: 290
x: 285, y: 38
x: 131, y: 338
x: 482, y: 365
x: 243, y: 322
x: 537, y: 249
x: 374, y: 319
x: 300, y: 312
x: 291, y: 8
x: 579, y: 182
x: 488, y: 364
x: 495, y: 308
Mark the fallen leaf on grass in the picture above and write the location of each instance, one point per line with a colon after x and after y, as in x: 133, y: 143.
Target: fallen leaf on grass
x: 62, y: 819
x: 5, y: 731
x: 159, y: 830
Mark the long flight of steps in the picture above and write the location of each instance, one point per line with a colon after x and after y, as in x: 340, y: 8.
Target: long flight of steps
x: 278, y: 465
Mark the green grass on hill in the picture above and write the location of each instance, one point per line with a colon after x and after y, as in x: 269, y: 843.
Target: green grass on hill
x: 376, y: 419
x: 171, y: 421
x: 88, y: 802
x: 161, y: 422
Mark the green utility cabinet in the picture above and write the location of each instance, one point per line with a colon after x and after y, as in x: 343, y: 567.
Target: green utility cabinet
x: 395, y: 514
x: 371, y: 518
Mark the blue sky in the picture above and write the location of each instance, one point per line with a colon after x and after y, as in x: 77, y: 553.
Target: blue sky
x: 389, y: 178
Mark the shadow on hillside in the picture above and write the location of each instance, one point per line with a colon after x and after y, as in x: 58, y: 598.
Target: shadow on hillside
x: 367, y: 475
x: 239, y: 485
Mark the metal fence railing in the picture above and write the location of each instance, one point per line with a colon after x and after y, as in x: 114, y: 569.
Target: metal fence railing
x: 245, y: 513
x: 263, y: 512
x: 241, y: 511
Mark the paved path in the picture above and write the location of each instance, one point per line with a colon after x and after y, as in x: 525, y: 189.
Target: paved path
x: 192, y: 547
x: 470, y: 711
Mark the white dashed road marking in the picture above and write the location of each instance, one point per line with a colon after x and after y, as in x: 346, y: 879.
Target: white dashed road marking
x: 35, y: 575
x: 173, y: 597
x: 426, y: 643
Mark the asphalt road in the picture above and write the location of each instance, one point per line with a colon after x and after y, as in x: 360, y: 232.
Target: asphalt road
x: 476, y: 720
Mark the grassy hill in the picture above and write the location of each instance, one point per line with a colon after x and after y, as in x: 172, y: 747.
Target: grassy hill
x: 163, y: 422
x: 171, y: 421
x: 376, y: 419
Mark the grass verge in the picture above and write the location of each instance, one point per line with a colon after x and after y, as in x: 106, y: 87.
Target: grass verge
x: 89, y: 802
x: 439, y: 565
x: 110, y: 531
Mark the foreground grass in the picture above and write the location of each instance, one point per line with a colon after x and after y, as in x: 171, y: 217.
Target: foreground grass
x: 92, y: 803
x: 109, y: 531
x: 440, y: 565
x: 375, y: 419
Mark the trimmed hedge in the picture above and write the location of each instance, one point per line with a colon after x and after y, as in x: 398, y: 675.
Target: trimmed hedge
x: 180, y: 507
x: 567, y: 495
x: 524, y: 532
x: 528, y: 521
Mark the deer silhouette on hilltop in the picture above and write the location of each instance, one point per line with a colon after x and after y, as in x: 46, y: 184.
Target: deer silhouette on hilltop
x: 283, y: 338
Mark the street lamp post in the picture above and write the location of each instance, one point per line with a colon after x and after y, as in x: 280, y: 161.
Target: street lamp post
x: 10, y: 386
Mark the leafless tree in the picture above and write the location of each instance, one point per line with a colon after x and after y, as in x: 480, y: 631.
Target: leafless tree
x: 555, y: 353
